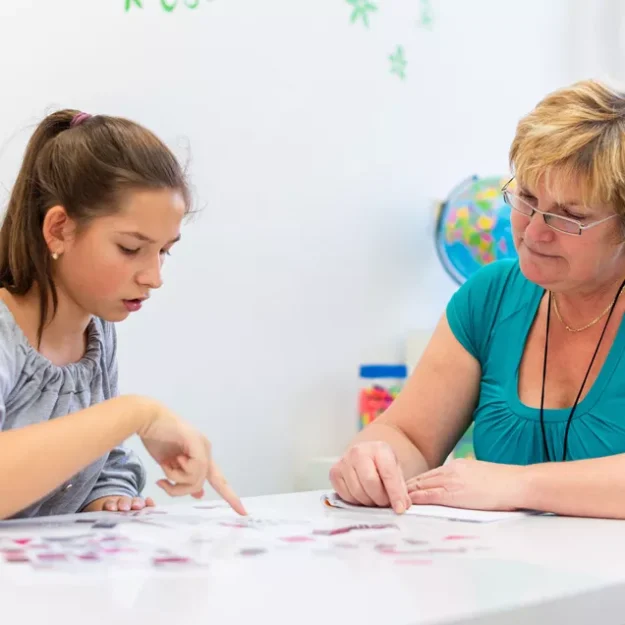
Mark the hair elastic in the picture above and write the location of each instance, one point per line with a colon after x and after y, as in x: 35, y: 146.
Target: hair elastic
x: 78, y: 119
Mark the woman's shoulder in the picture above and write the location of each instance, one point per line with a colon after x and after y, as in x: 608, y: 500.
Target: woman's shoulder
x: 499, y: 275
x: 496, y: 292
x: 490, y: 282
x: 503, y: 284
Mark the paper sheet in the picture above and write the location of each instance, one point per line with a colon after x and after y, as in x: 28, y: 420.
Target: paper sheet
x: 440, y: 512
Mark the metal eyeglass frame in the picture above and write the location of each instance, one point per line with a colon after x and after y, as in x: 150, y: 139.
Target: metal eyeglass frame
x: 546, y: 215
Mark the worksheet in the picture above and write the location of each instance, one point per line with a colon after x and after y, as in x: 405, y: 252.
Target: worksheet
x: 440, y: 512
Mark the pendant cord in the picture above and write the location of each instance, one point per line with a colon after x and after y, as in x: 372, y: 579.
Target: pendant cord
x: 581, y: 389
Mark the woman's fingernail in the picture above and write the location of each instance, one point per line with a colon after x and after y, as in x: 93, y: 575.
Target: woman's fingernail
x: 400, y: 508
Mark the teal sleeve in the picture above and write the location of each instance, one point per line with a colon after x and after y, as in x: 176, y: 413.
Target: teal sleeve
x: 472, y: 310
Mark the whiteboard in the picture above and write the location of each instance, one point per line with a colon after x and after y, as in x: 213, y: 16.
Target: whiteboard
x: 319, y: 137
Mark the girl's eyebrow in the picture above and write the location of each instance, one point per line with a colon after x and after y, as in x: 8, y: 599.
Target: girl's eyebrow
x: 143, y: 237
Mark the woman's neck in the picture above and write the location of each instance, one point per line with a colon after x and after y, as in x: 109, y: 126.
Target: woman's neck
x: 581, y: 306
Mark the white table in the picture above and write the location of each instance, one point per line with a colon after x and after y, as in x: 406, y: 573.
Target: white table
x: 533, y: 570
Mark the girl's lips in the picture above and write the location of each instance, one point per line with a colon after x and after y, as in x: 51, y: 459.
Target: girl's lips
x: 133, y: 305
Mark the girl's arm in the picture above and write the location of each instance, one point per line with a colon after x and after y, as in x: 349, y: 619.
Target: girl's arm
x: 36, y: 459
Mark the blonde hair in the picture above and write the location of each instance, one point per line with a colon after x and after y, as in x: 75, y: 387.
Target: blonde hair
x: 575, y: 134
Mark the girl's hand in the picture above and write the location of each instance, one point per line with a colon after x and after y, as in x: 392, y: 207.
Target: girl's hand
x: 185, y: 456
x: 118, y: 503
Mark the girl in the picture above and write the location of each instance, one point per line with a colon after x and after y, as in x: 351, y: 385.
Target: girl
x: 96, y: 206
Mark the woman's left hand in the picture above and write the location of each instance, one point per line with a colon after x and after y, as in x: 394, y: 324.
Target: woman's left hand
x: 118, y: 503
x: 466, y: 483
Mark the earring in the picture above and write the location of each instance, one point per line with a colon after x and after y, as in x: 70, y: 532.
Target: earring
x: 55, y: 256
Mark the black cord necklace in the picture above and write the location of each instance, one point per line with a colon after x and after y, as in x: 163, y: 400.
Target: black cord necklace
x: 581, y: 388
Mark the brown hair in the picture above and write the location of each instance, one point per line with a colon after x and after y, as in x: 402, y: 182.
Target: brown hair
x: 86, y: 167
x: 575, y: 134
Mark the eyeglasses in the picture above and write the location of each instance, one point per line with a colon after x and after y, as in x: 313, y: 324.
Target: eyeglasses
x: 560, y: 223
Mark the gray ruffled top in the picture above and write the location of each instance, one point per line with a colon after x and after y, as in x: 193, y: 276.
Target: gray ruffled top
x: 33, y: 389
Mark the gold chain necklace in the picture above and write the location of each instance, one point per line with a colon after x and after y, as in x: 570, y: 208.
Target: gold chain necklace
x: 588, y: 325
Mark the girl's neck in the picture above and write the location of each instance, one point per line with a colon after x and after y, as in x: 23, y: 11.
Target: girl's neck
x: 64, y: 335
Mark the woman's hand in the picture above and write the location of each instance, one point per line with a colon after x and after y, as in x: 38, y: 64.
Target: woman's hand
x: 466, y: 483
x: 369, y: 474
x: 185, y: 456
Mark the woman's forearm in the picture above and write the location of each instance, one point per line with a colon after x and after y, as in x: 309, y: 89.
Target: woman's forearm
x: 592, y: 488
x: 410, y: 459
x: 35, y: 459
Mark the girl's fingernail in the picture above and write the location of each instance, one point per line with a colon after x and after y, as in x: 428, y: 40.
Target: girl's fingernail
x: 399, y: 507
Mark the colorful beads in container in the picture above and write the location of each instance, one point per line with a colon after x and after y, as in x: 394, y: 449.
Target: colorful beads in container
x: 379, y: 385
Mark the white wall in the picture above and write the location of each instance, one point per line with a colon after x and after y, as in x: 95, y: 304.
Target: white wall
x: 317, y: 169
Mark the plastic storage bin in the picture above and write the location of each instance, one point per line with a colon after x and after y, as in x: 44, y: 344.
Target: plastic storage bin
x: 379, y: 386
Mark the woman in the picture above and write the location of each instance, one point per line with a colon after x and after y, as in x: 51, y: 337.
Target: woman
x: 531, y: 350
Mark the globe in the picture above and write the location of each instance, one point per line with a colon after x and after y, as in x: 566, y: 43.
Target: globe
x: 473, y: 227
x: 472, y: 230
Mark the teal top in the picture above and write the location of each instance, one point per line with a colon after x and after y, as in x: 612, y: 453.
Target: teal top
x: 491, y: 315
